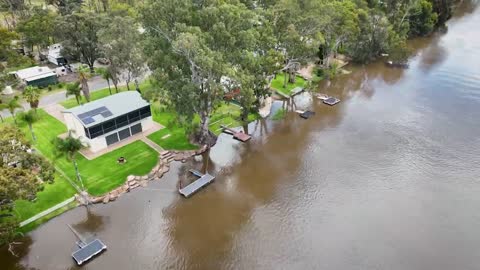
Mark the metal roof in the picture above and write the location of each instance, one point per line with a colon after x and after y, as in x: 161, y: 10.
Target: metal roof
x: 34, y: 73
x: 104, y: 109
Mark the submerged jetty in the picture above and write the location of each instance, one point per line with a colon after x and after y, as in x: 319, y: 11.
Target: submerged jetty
x: 203, y: 180
x: 237, y: 135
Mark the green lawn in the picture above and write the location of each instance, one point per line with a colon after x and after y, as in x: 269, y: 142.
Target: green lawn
x: 278, y: 82
x: 178, y: 139
x: 227, y: 114
x: 99, y: 175
x: 72, y: 102
x: 53, y: 194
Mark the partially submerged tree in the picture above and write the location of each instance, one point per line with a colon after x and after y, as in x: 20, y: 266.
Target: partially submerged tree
x: 192, y: 47
x: 298, y: 33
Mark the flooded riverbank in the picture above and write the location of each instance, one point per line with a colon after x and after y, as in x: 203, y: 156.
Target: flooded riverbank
x: 387, y: 179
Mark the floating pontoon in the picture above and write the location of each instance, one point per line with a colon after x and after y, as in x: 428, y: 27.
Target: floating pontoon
x: 307, y: 114
x: 237, y: 135
x: 331, y: 101
x: 88, y: 251
x: 203, y: 180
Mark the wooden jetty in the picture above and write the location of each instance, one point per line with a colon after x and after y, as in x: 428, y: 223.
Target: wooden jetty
x: 87, y: 249
x: 203, y: 180
x: 238, y: 135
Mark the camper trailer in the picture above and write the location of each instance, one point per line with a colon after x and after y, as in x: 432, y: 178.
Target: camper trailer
x: 54, y: 55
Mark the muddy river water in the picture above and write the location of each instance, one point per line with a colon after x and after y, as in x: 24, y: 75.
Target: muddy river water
x: 387, y: 179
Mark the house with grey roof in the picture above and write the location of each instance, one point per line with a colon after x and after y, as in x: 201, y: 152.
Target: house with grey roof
x: 109, y: 120
x: 36, y: 76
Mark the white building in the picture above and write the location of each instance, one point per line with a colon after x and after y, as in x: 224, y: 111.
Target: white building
x: 106, y: 121
x: 36, y: 76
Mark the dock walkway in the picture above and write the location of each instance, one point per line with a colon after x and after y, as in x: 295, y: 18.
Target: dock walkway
x: 194, y: 187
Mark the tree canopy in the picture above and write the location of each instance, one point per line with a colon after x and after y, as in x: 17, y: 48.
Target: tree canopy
x: 22, y: 174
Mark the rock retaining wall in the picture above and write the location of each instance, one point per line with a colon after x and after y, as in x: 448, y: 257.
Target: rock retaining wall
x: 133, y: 181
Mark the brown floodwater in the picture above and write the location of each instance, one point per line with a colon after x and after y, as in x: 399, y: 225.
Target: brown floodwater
x: 387, y: 179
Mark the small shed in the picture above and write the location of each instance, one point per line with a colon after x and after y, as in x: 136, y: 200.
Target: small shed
x: 36, y: 76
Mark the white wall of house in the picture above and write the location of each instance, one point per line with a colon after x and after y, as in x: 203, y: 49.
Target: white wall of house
x: 74, y: 125
x: 99, y: 143
x: 147, y: 123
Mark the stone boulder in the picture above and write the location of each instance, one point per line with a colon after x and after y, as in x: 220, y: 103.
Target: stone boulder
x: 106, y: 199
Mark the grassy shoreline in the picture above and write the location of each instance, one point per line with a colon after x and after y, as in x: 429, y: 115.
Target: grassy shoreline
x: 141, y: 157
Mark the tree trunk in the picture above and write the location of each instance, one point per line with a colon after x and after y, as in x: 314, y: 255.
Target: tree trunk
x: 137, y: 85
x: 1, y: 117
x: 115, y: 84
x: 78, y: 99
x: 105, y: 5
x: 128, y: 85
x: 92, y: 69
x: 14, y: 118
x: 285, y: 80
x: 86, y: 90
x: 292, y: 77
x: 77, y: 173
x: 205, y: 137
x: 109, y: 89
x: 31, y: 131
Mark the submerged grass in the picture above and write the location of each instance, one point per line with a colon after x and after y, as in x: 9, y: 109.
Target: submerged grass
x: 279, y: 114
x: 278, y: 83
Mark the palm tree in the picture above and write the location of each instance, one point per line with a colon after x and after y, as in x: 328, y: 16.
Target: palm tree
x: 32, y: 96
x: 74, y: 89
x: 12, y: 106
x: 69, y: 147
x: 106, y: 76
x: 83, y: 76
x: 30, y: 117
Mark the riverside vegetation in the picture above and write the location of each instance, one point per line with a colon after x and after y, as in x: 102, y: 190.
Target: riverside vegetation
x: 196, y: 51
